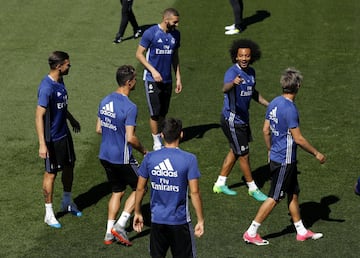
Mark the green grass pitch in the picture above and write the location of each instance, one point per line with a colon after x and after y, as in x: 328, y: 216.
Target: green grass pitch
x: 320, y: 38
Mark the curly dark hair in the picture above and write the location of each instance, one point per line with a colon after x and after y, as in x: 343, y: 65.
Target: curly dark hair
x: 245, y: 43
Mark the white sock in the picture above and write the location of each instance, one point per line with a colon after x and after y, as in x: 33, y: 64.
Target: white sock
x: 110, y: 224
x: 252, y: 230
x: 252, y: 186
x: 66, y: 197
x: 300, y: 229
x: 221, y: 181
x: 49, y: 210
x: 123, y: 219
x: 157, y: 139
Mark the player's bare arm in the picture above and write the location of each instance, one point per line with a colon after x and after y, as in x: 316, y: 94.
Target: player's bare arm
x: 98, y: 126
x: 39, y: 123
x: 134, y: 140
x: 304, y: 144
x: 138, y: 222
x: 140, y: 56
x: 197, y: 203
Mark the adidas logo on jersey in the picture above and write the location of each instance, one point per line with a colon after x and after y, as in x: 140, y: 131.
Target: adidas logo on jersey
x: 108, y: 110
x: 164, y: 169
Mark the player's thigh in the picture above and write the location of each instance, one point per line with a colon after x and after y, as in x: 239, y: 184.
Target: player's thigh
x: 159, y: 240
x: 119, y: 175
x: 182, y: 241
x: 237, y: 135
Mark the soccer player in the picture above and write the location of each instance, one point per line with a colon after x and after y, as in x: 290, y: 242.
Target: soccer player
x: 239, y: 89
x: 55, y: 142
x: 282, y: 136
x: 116, y: 123
x: 238, y: 26
x: 127, y: 15
x: 171, y: 172
x: 161, y: 43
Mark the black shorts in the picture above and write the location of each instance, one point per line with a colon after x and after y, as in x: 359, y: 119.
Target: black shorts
x: 61, y: 154
x: 121, y: 175
x: 283, y: 180
x: 238, y: 135
x: 158, y: 98
x: 179, y: 238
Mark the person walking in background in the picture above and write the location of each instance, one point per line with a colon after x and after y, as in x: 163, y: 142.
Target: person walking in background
x: 116, y: 123
x: 239, y: 89
x: 238, y: 26
x: 55, y: 141
x: 127, y: 15
x: 282, y: 135
x: 161, y: 43
x: 172, y: 172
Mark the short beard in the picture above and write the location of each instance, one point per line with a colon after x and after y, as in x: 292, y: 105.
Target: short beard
x: 170, y: 27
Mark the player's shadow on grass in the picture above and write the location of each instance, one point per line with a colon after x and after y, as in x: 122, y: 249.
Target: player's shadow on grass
x: 311, y: 212
x: 142, y: 28
x: 260, y: 176
x: 259, y: 16
x: 91, y: 197
x: 197, y: 131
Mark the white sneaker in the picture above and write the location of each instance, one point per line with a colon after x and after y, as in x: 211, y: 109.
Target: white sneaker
x: 52, y: 221
x: 230, y: 27
x: 232, y: 32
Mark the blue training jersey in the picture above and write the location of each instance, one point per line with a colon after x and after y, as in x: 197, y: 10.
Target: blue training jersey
x: 283, y: 116
x: 237, y: 100
x: 53, y: 96
x: 160, y: 49
x: 115, y: 112
x: 169, y: 170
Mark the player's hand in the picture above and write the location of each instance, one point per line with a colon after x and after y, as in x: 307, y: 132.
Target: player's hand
x: 138, y: 222
x: 178, y: 88
x: 199, y: 229
x: 43, y: 151
x: 320, y: 157
x: 237, y: 80
x: 75, y: 125
x: 157, y: 76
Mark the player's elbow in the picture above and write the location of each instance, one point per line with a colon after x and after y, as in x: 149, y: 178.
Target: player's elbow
x: 139, y: 54
x: 195, y: 194
x: 132, y: 140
